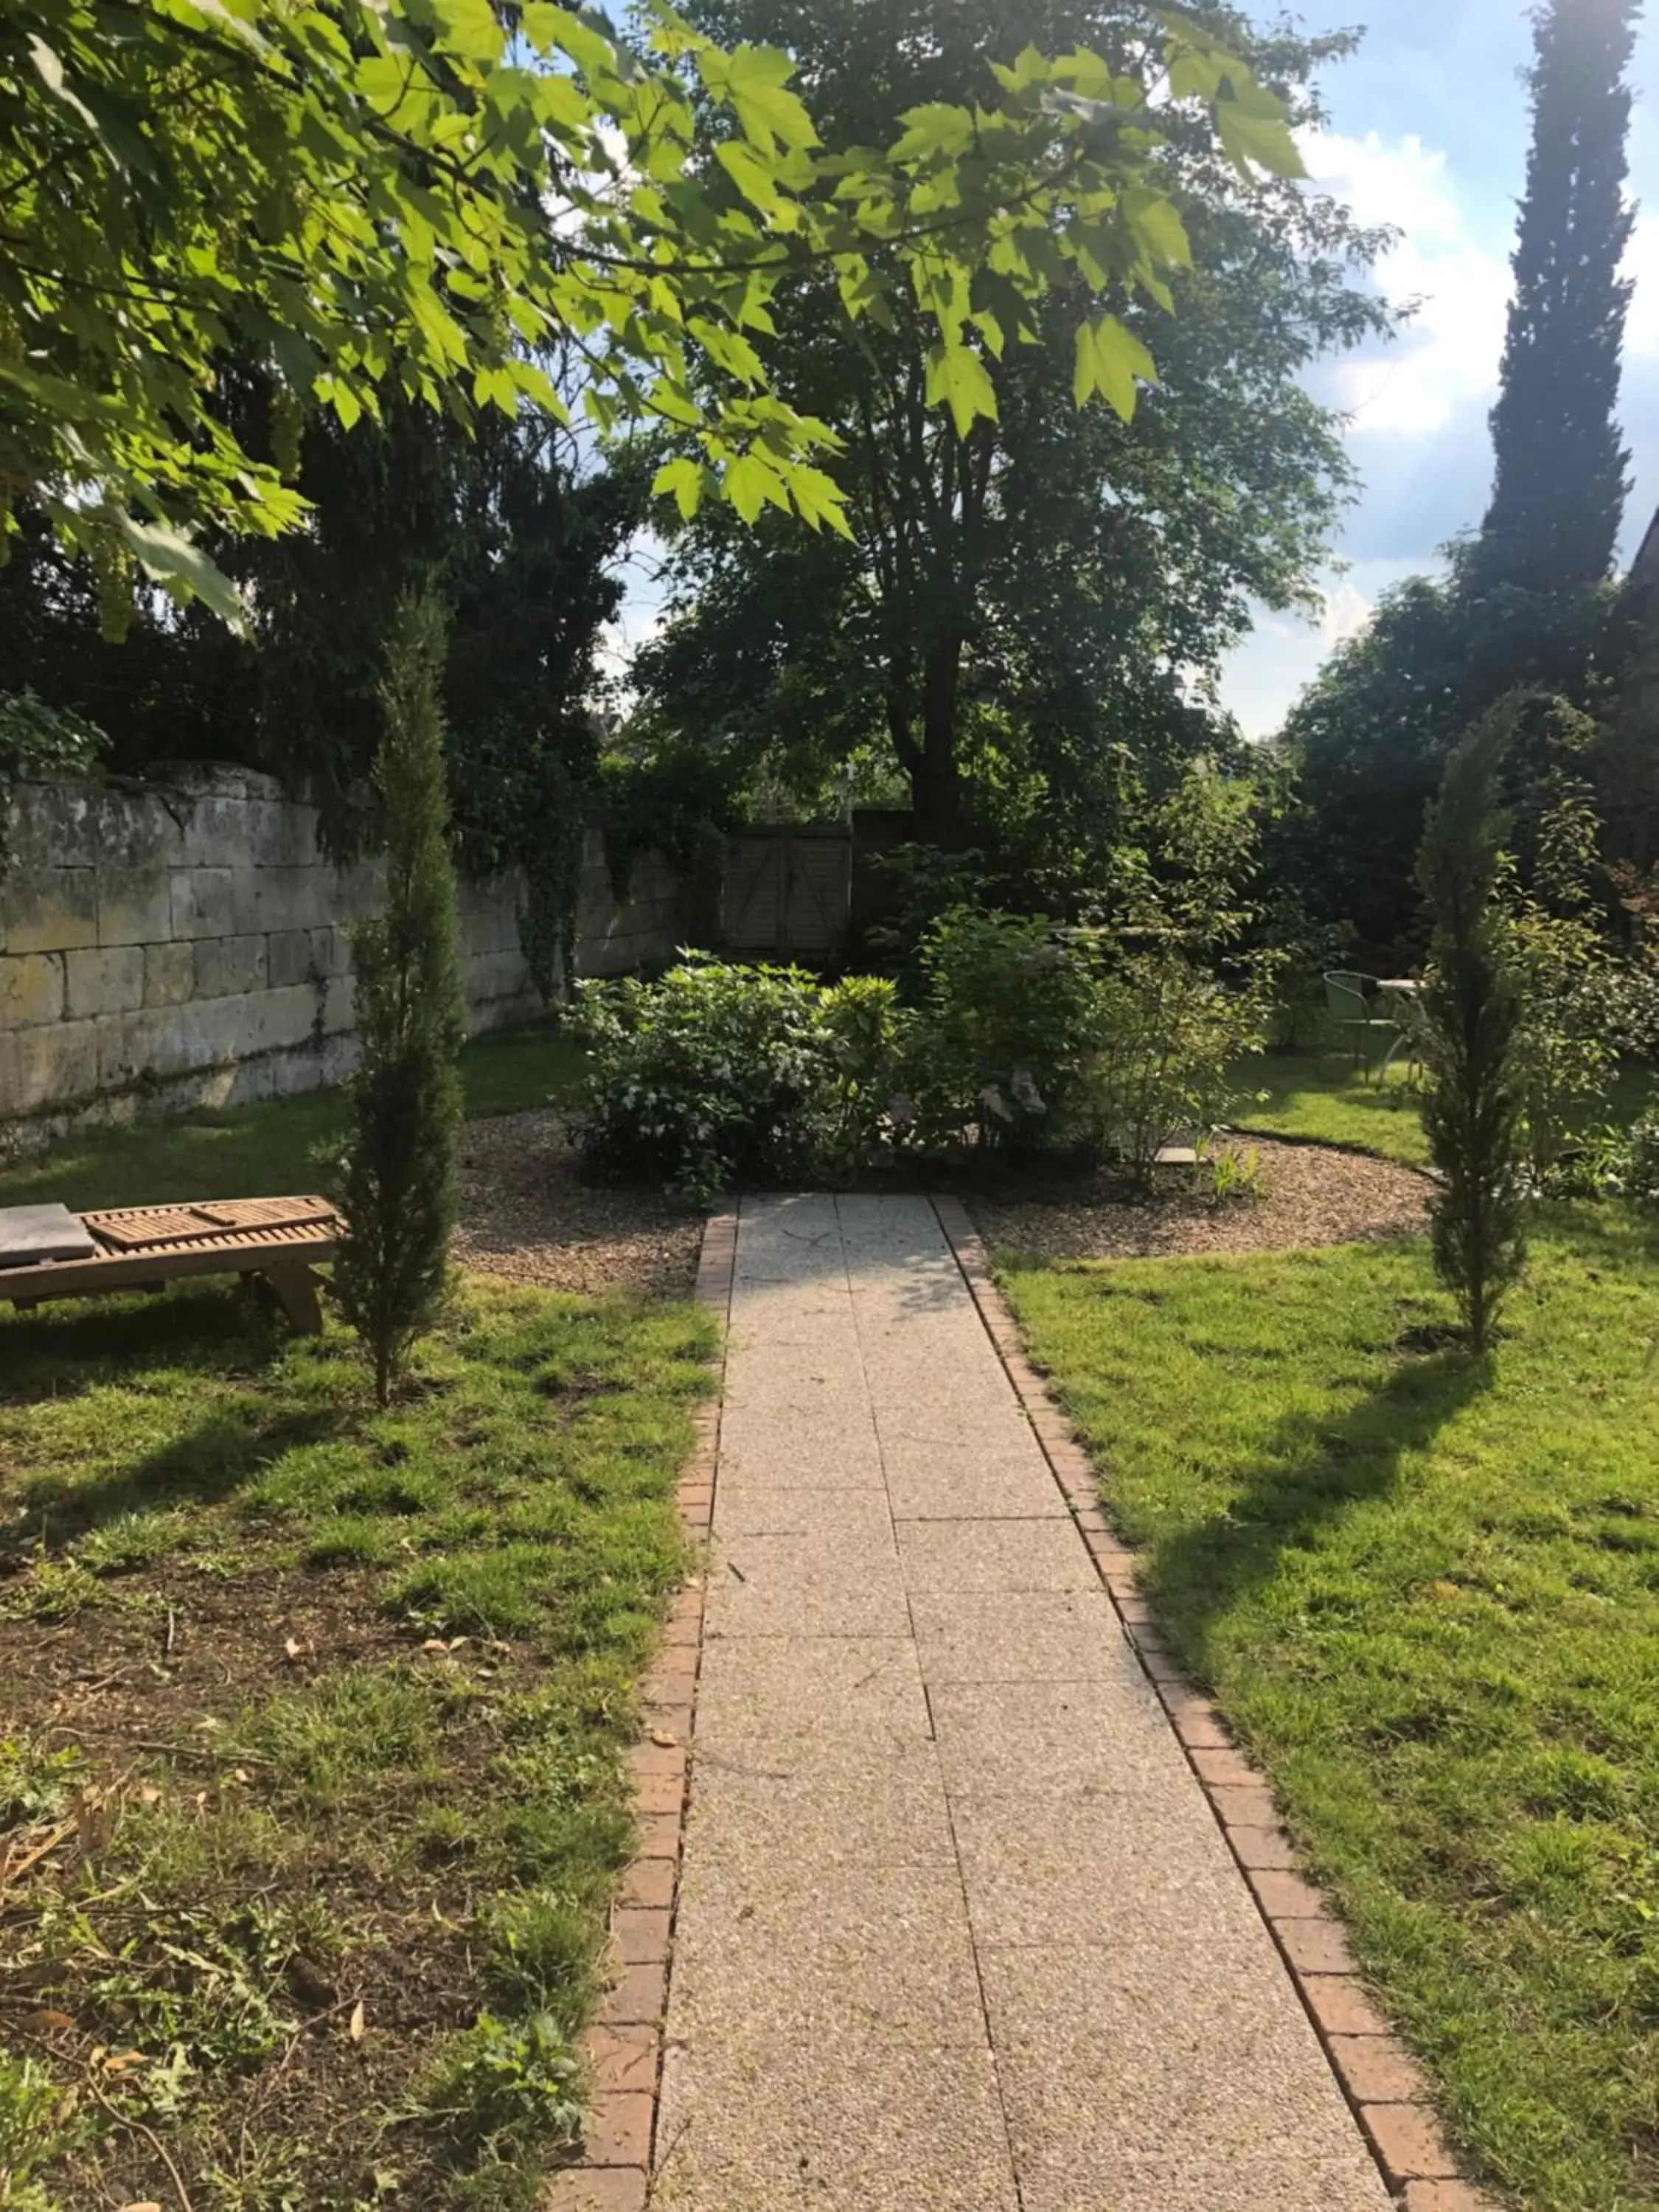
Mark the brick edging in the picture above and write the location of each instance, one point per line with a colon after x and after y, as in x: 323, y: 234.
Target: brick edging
x: 623, y: 2049
x: 1378, y: 2076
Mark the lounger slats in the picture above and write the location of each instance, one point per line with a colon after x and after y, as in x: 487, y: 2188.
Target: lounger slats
x: 143, y: 1247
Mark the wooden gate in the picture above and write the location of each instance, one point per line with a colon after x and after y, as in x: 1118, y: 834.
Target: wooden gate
x: 787, y: 893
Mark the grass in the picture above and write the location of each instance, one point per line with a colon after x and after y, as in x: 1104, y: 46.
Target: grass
x: 1305, y: 1094
x: 314, y: 1718
x: 1426, y: 1591
x: 248, y: 1152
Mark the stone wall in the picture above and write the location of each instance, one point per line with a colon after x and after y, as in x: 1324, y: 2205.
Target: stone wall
x: 619, y: 937
x: 184, y: 942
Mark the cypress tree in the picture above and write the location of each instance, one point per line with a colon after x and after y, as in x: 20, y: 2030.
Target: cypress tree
x: 1558, y: 490
x: 1472, y: 1108
x: 399, y: 1182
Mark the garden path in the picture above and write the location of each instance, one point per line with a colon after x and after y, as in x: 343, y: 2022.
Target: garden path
x: 956, y: 1927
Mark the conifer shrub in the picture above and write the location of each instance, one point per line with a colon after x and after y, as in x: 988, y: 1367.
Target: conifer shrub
x: 398, y: 1182
x: 1474, y: 1104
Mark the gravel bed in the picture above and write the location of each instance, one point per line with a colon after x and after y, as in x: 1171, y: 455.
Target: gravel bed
x: 526, y: 1214
x: 1311, y: 1194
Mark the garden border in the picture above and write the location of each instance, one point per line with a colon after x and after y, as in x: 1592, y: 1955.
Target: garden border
x: 624, y: 2050
x: 1375, y: 2073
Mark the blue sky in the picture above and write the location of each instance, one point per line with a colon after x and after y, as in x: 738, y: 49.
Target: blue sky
x: 1428, y: 131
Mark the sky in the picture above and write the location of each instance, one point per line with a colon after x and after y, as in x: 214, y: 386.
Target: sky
x: 1428, y: 131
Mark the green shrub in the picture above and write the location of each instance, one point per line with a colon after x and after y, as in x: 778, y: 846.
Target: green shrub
x: 1165, y: 1035
x: 712, y: 1075
x: 399, y: 1182
x: 867, y: 1034
x: 1026, y: 1039
x: 1004, y: 1024
x: 1473, y: 1109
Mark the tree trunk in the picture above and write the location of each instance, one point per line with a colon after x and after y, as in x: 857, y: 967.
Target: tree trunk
x: 935, y: 771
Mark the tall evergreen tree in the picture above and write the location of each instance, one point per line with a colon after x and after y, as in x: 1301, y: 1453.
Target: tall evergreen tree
x: 401, y: 1157
x: 1472, y: 1109
x: 1559, y: 491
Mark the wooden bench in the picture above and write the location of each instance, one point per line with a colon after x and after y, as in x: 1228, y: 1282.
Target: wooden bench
x: 146, y: 1247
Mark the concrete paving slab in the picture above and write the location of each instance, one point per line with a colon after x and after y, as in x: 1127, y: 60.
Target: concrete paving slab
x: 1019, y: 1636
x: 887, y: 1956
x: 1171, y: 2050
x: 1110, y: 1737
x: 961, y: 1481
x: 993, y: 1555
x: 791, y: 1696
x: 956, y: 1931
x: 794, y: 2123
x: 763, y: 1508
x: 1101, y: 1869
x: 822, y: 1585
x: 1194, y: 2182
x: 791, y: 1816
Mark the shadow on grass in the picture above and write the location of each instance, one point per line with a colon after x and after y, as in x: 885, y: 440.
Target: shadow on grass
x: 1313, y: 1471
x: 224, y: 1451
x: 68, y: 1346
x: 209, y: 1354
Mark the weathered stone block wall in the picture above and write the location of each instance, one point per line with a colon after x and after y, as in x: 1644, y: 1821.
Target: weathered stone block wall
x: 186, y: 942
x: 619, y: 937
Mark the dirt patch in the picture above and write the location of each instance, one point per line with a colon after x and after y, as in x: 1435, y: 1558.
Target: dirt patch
x: 528, y: 1215
x: 1310, y: 1194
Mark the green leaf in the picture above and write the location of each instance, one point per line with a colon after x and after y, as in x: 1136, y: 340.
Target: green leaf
x: 958, y: 379
x: 50, y: 70
x: 215, y: 12
x: 1108, y: 359
x: 686, y: 480
x: 1154, y: 222
x: 1254, y: 126
x: 533, y: 380
x: 468, y: 27
x: 750, y: 173
x: 174, y: 560
x: 750, y: 482
x: 753, y: 81
x: 818, y: 498
x: 937, y: 127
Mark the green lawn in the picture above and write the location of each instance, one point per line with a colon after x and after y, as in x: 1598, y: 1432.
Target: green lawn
x: 1307, y: 1095
x: 351, y: 1687
x: 253, y: 1151
x: 1427, y: 1593
x: 335, y: 1700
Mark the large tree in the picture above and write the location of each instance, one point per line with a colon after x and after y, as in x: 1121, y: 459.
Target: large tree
x: 511, y: 522
x: 364, y: 196
x: 1559, y: 491
x: 1367, y: 741
x: 1025, y: 593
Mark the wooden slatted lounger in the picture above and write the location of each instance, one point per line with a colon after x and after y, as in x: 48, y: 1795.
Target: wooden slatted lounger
x: 143, y: 1247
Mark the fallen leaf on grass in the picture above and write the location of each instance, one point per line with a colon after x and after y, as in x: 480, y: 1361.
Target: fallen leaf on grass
x: 50, y: 2023
x: 354, y: 2026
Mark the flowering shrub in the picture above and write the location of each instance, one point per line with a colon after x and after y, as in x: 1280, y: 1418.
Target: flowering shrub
x: 1002, y: 1027
x: 712, y: 1075
x: 1026, y: 1039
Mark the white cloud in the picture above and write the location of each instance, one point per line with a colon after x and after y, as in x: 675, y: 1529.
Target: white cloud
x: 1448, y: 354
x: 1346, y: 612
